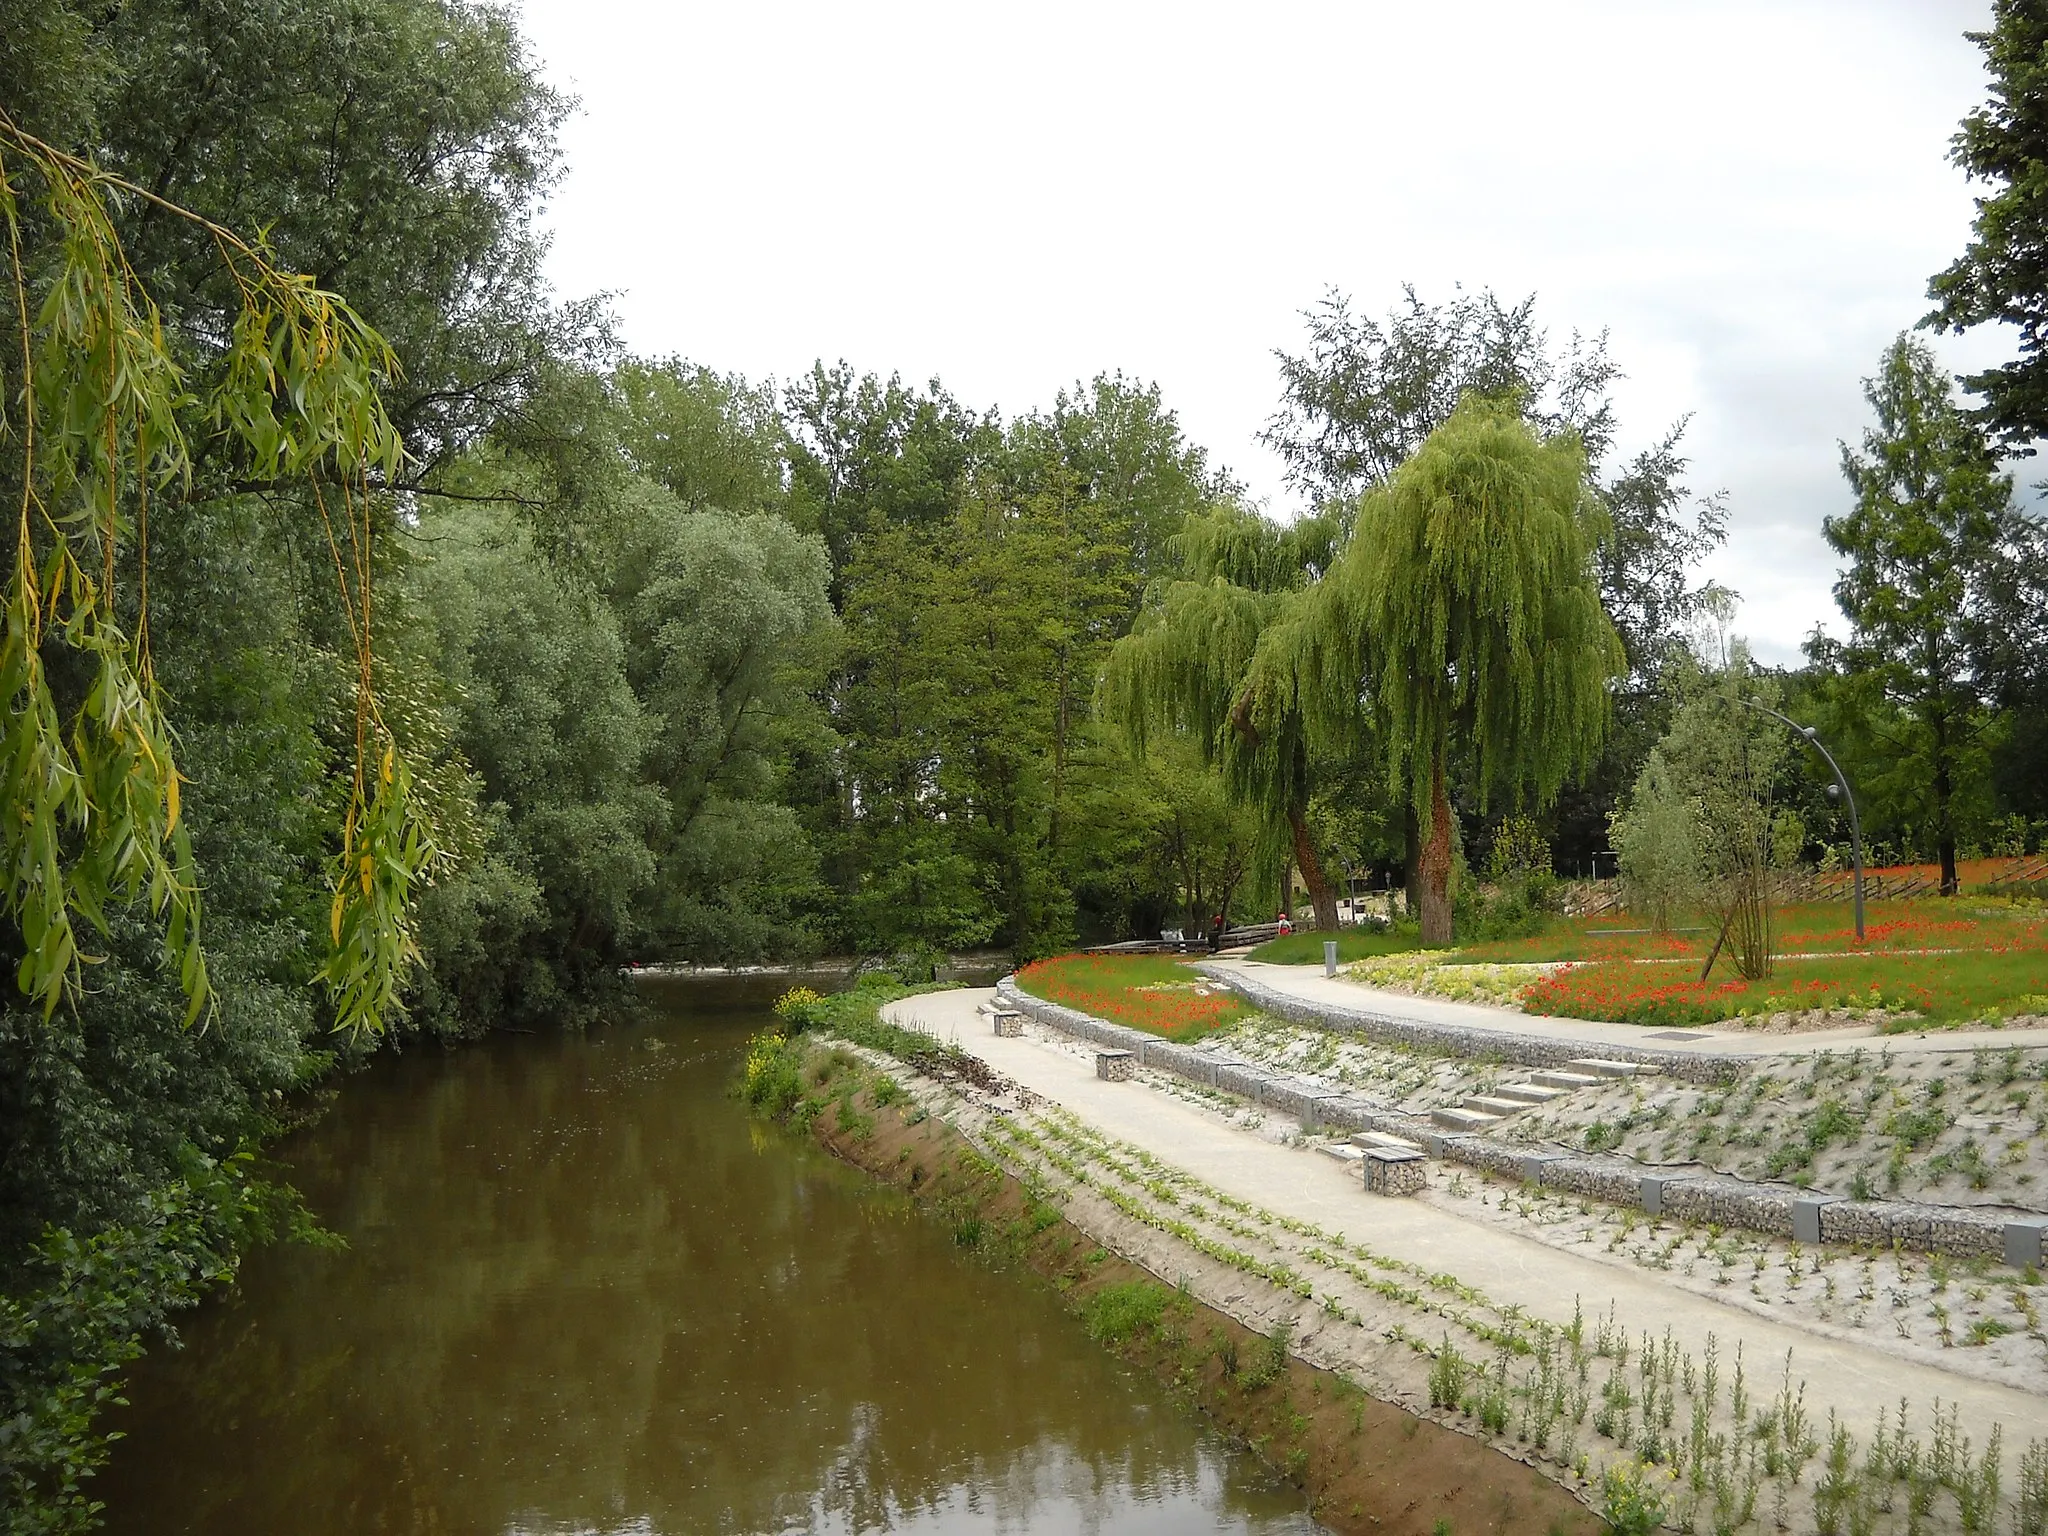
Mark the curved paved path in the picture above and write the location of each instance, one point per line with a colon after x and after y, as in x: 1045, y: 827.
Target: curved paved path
x: 1311, y: 986
x: 1849, y: 1377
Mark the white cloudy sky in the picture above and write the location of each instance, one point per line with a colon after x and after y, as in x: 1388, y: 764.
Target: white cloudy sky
x: 1749, y: 196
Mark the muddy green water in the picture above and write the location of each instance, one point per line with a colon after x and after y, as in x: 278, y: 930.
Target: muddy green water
x: 584, y: 1293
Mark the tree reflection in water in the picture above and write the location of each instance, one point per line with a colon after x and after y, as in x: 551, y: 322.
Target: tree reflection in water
x: 583, y: 1293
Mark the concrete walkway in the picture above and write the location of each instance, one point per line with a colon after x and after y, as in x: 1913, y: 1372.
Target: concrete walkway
x: 1851, y: 1378
x: 1308, y: 984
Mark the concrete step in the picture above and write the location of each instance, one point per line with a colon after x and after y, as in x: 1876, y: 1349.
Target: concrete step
x: 1343, y: 1151
x: 1600, y: 1067
x: 1488, y: 1104
x: 1386, y: 1141
x: 1527, y: 1093
x: 1462, y: 1119
x: 1564, y: 1080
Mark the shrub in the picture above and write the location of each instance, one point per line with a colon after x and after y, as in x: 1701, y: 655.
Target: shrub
x: 770, y: 1079
x: 794, y: 1006
x: 1629, y: 1501
x: 1117, y: 1312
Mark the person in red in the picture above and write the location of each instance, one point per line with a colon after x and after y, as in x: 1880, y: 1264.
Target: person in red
x: 1285, y: 926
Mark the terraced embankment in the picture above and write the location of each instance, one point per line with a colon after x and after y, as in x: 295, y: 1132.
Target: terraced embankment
x: 1733, y: 1420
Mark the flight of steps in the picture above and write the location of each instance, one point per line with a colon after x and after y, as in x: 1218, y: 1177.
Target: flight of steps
x: 1483, y: 1111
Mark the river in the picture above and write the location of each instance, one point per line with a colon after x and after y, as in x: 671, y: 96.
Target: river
x: 583, y: 1292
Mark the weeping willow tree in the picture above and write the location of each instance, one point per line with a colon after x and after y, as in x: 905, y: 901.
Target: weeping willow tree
x: 1468, y: 604
x: 98, y: 409
x: 1214, y: 657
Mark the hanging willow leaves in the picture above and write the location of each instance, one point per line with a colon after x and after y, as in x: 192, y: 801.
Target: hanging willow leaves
x: 95, y: 402
x: 1469, y: 607
x: 1215, y: 655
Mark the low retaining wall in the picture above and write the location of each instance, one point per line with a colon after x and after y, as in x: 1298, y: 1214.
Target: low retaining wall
x: 1466, y: 1040
x: 1688, y: 1194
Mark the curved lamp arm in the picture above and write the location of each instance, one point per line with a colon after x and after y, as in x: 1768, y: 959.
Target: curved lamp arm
x: 1811, y: 737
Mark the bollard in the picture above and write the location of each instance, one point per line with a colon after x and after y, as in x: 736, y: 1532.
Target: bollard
x: 1329, y: 957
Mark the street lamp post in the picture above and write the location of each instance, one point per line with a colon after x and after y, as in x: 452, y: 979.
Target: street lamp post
x: 1840, y: 788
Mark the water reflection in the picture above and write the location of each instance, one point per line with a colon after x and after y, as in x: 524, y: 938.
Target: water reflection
x: 584, y: 1294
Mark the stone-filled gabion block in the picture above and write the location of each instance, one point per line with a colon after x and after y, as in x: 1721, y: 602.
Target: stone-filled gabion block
x: 1617, y: 1183
x: 1388, y: 1172
x: 1116, y: 1066
x: 1009, y: 1024
x: 1731, y: 1203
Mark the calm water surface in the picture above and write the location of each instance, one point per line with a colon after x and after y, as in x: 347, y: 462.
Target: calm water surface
x: 584, y: 1293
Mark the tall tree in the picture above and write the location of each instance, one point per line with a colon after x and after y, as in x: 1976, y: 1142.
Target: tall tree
x: 2002, y: 274
x: 1469, y: 595
x: 1365, y: 393
x: 1931, y: 544
x: 1211, y: 657
x: 1132, y: 462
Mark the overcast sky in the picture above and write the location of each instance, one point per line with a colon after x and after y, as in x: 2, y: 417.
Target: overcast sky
x: 1749, y: 197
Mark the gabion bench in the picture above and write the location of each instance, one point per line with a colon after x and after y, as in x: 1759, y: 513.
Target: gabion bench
x: 1389, y: 1171
x: 1008, y: 1022
x: 1116, y: 1066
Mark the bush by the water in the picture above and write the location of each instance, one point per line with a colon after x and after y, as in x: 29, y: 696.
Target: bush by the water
x: 1116, y: 1312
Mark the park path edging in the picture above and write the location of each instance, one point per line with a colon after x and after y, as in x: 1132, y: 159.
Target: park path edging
x: 1526, y: 1050
x: 1781, y: 1210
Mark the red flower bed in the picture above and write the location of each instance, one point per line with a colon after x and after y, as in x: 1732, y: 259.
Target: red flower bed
x: 1624, y: 994
x: 1144, y: 992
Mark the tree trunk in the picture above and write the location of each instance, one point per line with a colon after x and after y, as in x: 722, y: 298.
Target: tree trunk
x: 1944, y: 810
x: 1436, y: 862
x: 1411, y: 855
x: 1319, y: 889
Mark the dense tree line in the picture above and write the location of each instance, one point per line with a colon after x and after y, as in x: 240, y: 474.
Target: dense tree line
x: 645, y: 663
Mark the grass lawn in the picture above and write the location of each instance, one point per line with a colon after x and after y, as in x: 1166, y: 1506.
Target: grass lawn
x: 1305, y: 947
x: 1150, y: 992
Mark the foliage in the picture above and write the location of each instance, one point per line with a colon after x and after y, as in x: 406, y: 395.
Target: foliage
x: 1468, y: 591
x: 1629, y: 1500
x: 82, y: 1312
x: 2002, y: 274
x: 1367, y: 394
x: 100, y: 419
x: 1933, y: 545
x: 1723, y: 759
x: 226, y: 526
x: 794, y: 1003
x: 1658, y: 845
x: 1117, y: 1313
x: 1214, y: 660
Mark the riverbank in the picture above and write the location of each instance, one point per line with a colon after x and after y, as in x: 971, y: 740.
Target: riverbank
x: 1594, y: 1364
x: 1366, y: 1465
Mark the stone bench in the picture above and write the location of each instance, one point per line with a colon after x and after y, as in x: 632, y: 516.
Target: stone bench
x: 1116, y: 1066
x: 1389, y: 1171
x: 1009, y: 1023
